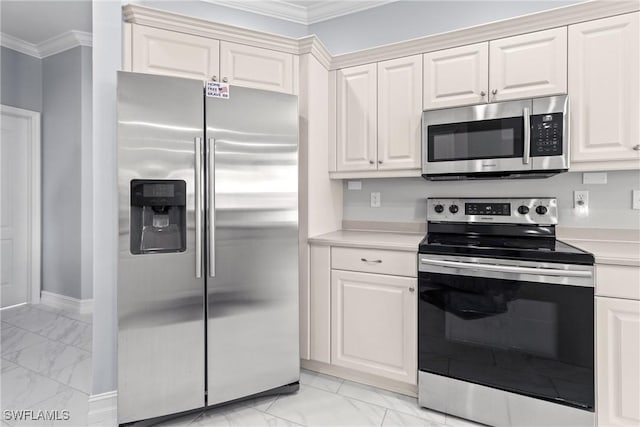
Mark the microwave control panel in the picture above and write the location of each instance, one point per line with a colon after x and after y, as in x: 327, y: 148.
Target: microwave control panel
x: 546, y: 134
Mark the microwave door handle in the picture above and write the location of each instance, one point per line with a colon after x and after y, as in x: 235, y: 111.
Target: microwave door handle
x: 507, y: 268
x: 527, y: 136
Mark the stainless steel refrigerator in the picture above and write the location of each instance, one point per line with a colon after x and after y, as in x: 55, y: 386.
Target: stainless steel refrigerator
x: 208, y: 245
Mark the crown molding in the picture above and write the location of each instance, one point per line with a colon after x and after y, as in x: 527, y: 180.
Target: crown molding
x: 143, y: 15
x: 64, y: 41
x: 538, y: 21
x: 52, y: 46
x: 19, y: 45
x: 305, y: 15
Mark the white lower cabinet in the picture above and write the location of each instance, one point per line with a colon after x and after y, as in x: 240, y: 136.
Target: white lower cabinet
x: 618, y: 362
x: 374, y: 324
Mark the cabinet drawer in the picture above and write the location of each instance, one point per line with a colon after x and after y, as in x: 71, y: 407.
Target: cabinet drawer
x: 620, y: 281
x: 397, y: 263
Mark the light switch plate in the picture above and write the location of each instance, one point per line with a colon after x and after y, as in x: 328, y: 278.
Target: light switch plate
x: 636, y: 199
x: 375, y: 200
x: 354, y: 185
x: 594, y: 178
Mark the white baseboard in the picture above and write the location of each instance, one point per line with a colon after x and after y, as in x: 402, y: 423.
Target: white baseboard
x: 66, y: 303
x: 103, y: 409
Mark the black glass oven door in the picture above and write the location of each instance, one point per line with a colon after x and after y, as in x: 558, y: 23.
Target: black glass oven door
x: 476, y: 140
x: 529, y: 338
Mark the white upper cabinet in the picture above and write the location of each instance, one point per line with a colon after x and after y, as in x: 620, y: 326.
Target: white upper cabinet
x: 356, y: 137
x: 618, y: 362
x: 255, y: 67
x: 458, y: 76
x: 157, y: 51
x: 399, y: 113
x: 604, y: 91
x: 527, y: 66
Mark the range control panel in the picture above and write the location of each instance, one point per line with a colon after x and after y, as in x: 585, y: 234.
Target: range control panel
x: 546, y: 134
x: 534, y: 210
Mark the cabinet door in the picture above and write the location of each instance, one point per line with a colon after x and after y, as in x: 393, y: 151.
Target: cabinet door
x: 356, y: 139
x: 604, y: 91
x: 458, y: 76
x: 618, y: 361
x: 399, y: 113
x: 255, y: 67
x: 374, y: 324
x: 529, y: 65
x: 157, y: 51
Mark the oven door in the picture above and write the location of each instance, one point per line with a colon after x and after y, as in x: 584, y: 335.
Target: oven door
x: 523, y: 327
x: 489, y: 138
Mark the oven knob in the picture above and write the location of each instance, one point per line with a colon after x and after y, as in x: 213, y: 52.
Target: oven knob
x: 453, y: 209
x: 439, y: 208
x: 541, y: 210
x: 523, y: 210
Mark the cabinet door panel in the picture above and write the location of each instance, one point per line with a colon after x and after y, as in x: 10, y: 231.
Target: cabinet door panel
x: 618, y: 362
x: 374, y: 326
x: 255, y: 67
x: 399, y: 113
x: 356, y: 118
x: 604, y: 91
x: 529, y: 65
x: 170, y: 53
x: 458, y: 76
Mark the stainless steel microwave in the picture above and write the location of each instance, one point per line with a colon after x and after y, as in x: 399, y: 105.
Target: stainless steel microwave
x: 514, y: 139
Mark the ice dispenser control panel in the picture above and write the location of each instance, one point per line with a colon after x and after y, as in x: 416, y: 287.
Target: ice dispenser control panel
x: 158, y: 216
x: 546, y: 134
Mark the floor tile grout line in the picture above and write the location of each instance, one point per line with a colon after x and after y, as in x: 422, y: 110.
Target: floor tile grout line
x: 50, y: 339
x: 47, y: 377
x: 384, y: 417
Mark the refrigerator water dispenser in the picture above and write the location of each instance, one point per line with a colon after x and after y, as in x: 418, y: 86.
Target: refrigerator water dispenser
x: 158, y: 211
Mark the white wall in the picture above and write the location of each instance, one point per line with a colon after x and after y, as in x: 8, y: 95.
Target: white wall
x: 404, y: 199
x: 107, y: 35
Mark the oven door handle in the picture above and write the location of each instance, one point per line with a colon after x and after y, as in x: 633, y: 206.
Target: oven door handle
x: 507, y: 268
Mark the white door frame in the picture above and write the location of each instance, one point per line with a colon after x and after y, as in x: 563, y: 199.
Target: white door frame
x: 34, y: 197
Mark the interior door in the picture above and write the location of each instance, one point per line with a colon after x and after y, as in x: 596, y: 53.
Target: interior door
x: 252, y: 282
x: 161, y: 366
x: 15, y: 206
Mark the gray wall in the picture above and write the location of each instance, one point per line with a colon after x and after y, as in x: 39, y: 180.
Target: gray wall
x: 62, y: 142
x: 21, y: 77
x: 226, y: 15
x: 403, y: 199
x: 86, y: 174
x: 405, y: 20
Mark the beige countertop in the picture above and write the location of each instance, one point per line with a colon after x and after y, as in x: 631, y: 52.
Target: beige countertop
x: 370, y: 239
x: 609, y: 246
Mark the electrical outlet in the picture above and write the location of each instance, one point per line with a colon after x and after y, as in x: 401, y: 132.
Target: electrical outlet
x: 581, y: 199
x: 636, y: 199
x: 375, y: 200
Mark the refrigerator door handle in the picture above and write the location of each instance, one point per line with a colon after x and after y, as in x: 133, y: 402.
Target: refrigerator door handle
x: 211, y: 198
x: 199, y: 205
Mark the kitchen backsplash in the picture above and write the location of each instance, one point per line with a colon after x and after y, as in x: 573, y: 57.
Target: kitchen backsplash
x: 404, y: 199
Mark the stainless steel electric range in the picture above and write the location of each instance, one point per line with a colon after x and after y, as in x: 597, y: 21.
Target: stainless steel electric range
x: 505, y: 315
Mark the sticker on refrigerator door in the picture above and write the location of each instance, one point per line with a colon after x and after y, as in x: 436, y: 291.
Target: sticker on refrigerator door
x: 218, y: 90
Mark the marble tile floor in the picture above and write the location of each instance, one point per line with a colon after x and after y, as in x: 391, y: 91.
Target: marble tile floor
x: 322, y: 401
x: 45, y: 363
